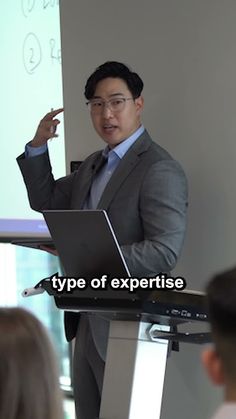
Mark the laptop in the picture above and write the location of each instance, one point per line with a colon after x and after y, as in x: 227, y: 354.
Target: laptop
x: 86, y: 243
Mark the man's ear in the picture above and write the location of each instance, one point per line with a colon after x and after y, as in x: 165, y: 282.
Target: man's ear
x: 213, y: 366
x: 139, y: 102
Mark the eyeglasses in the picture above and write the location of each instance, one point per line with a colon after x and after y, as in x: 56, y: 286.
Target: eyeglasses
x: 96, y: 106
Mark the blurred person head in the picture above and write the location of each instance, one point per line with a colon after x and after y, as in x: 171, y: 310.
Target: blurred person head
x: 29, y: 379
x: 220, y: 360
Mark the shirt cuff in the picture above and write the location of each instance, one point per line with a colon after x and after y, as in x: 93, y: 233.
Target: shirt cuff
x: 35, y: 151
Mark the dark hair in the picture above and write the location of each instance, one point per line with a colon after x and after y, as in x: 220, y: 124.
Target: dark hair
x: 116, y: 70
x: 221, y: 298
x: 29, y: 380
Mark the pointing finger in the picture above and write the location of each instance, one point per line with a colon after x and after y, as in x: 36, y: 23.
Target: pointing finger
x: 52, y: 114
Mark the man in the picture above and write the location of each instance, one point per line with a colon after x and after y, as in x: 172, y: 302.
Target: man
x: 137, y: 182
x: 220, y: 360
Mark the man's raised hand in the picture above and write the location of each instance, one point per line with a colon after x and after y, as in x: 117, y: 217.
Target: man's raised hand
x: 47, y: 128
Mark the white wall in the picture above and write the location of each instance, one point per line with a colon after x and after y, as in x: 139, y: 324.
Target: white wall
x: 185, y: 52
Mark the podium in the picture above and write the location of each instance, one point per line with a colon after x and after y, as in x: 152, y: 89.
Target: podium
x: 141, y: 335
x: 143, y: 325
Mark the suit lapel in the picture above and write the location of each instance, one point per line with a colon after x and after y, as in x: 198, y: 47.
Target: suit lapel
x: 125, y: 167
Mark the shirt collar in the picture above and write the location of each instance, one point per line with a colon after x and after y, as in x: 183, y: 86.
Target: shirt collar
x: 124, y: 146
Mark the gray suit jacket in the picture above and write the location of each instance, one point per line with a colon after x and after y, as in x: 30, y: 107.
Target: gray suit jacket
x: 145, y: 199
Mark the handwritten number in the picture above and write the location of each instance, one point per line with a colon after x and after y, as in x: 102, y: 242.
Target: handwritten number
x: 32, y: 53
x: 27, y: 6
x: 31, y: 60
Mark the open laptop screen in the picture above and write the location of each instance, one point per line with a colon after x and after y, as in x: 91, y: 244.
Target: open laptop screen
x: 86, y: 243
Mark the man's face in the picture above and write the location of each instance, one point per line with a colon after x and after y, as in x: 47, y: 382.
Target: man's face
x: 114, y: 126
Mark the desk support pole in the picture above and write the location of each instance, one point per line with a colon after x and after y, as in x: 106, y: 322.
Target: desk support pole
x: 134, y: 373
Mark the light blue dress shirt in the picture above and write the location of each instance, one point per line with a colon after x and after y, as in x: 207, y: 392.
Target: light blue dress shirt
x: 113, y: 157
x: 35, y: 151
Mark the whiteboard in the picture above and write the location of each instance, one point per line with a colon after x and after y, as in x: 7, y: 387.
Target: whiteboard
x: 31, y: 84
